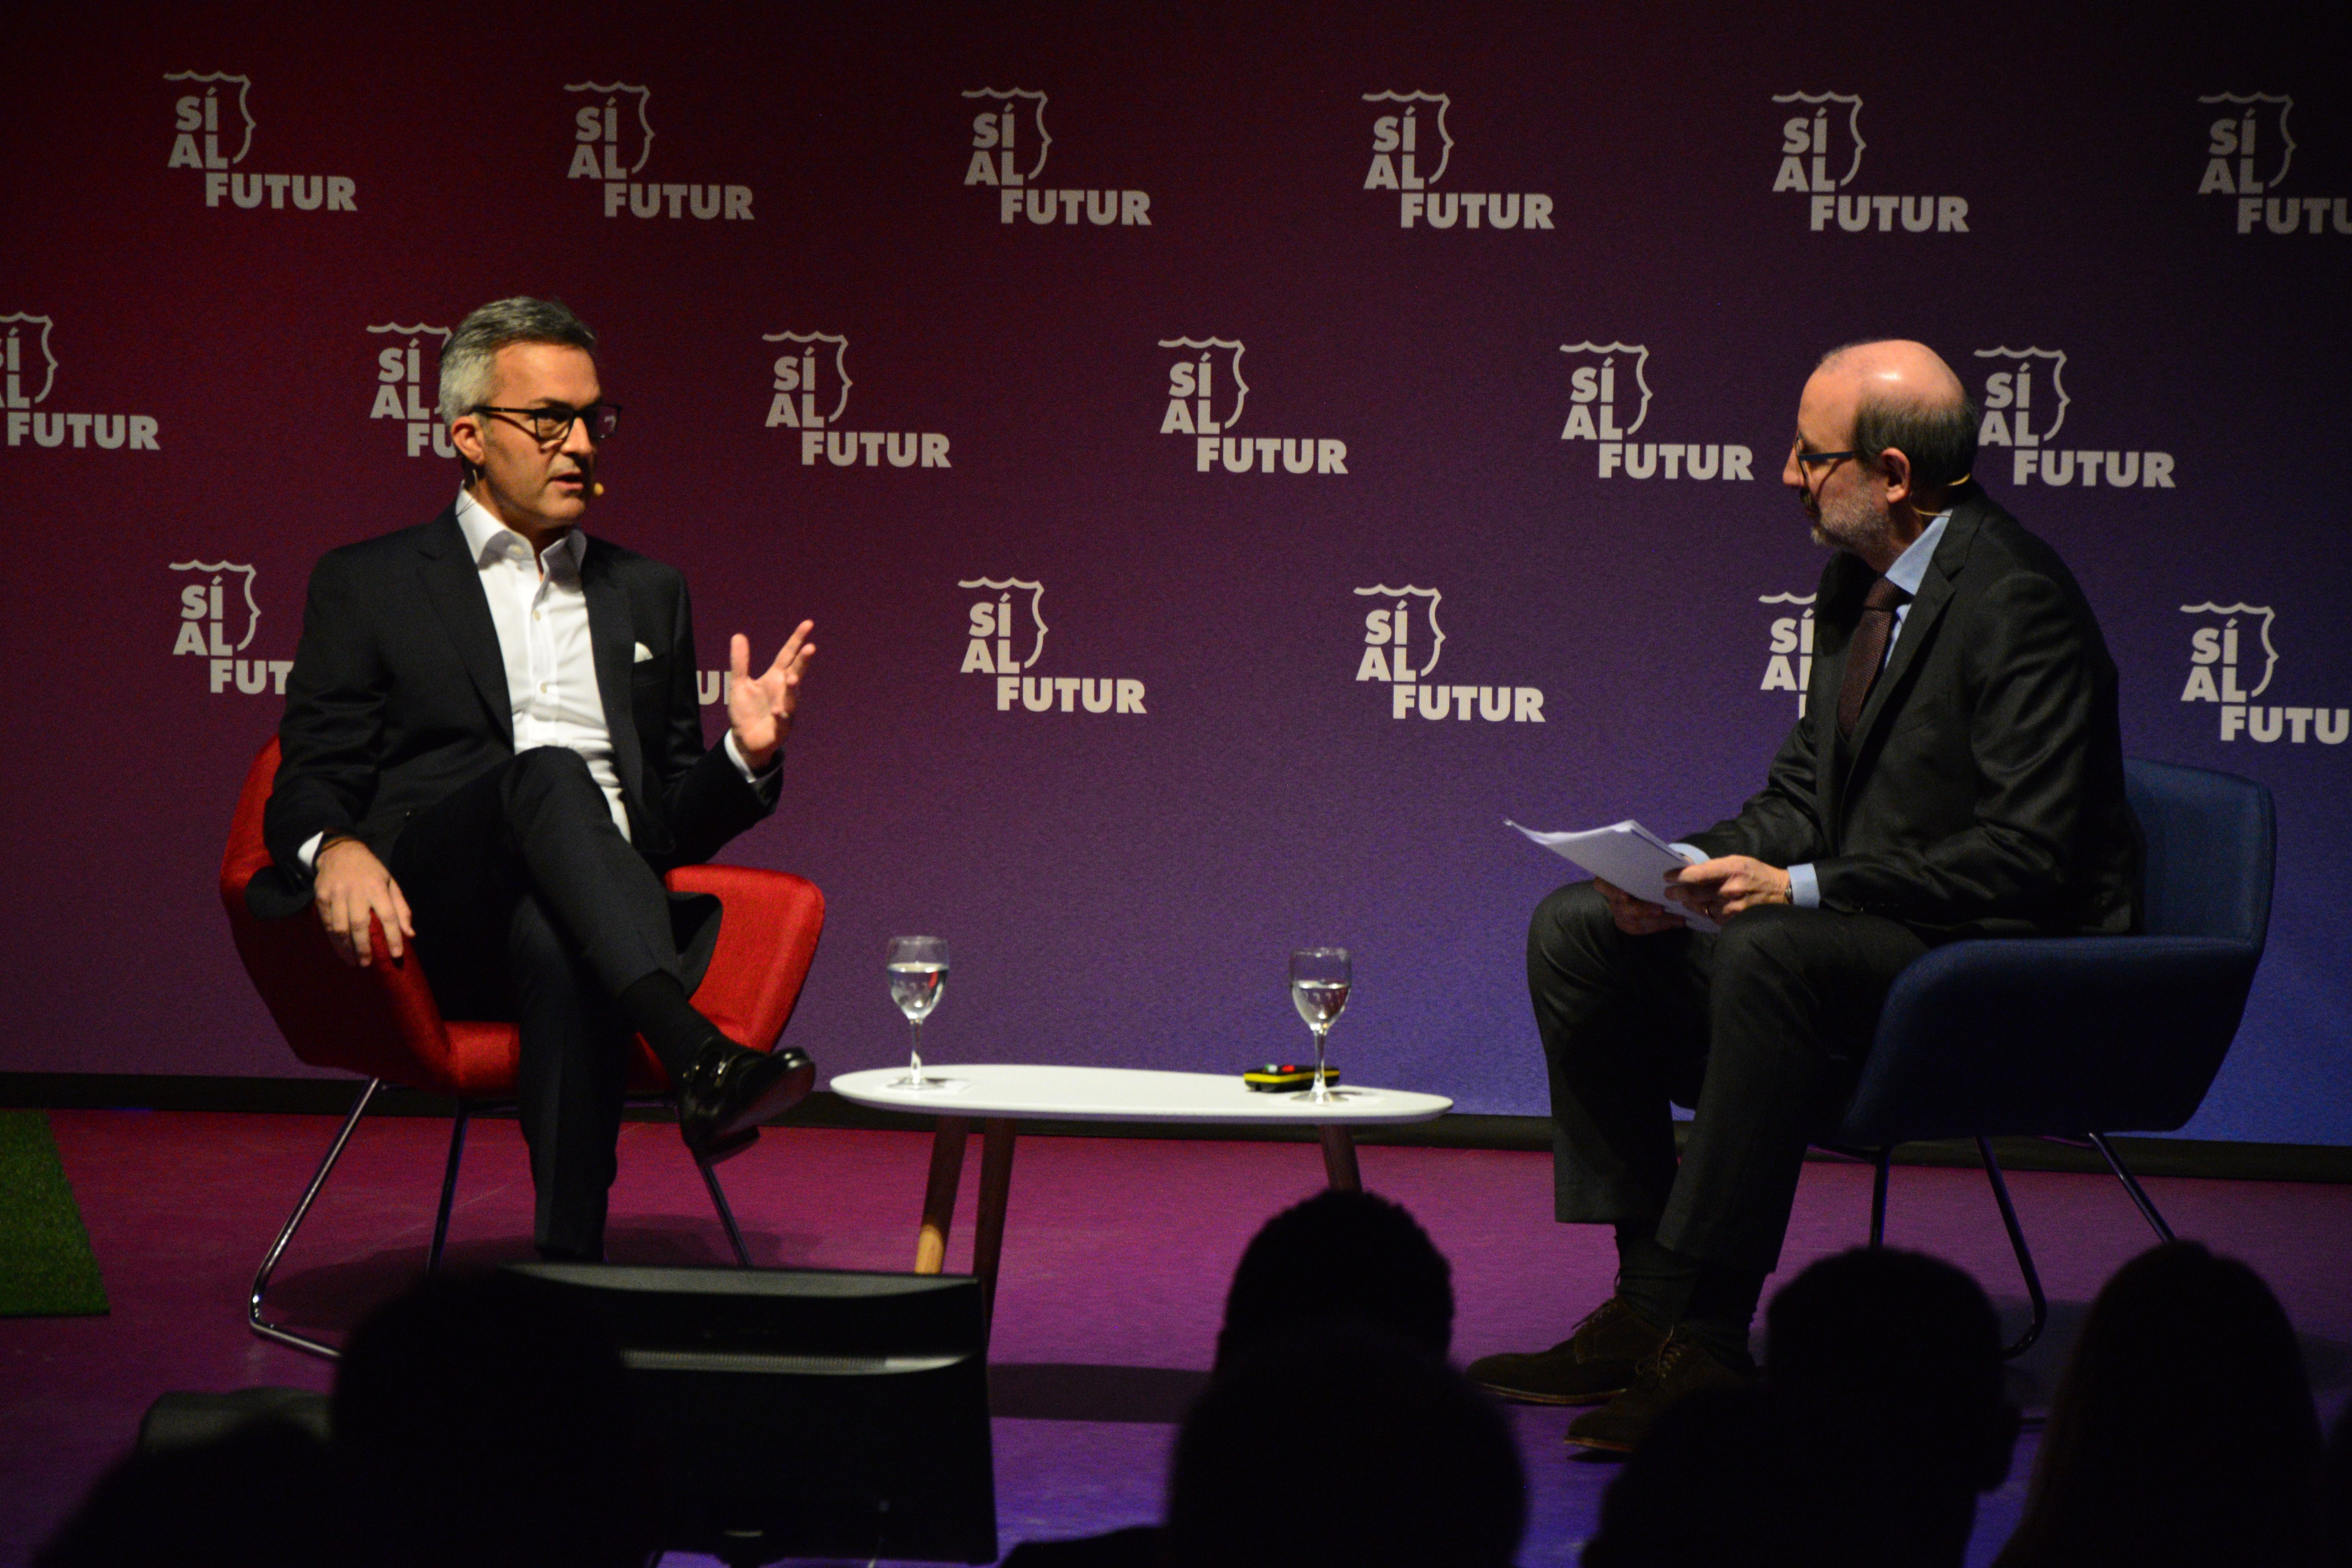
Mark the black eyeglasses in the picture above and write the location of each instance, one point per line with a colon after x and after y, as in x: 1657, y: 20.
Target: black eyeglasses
x: 553, y: 424
x: 1815, y: 459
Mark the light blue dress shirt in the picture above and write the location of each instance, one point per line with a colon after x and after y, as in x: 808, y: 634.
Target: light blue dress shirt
x: 1909, y: 570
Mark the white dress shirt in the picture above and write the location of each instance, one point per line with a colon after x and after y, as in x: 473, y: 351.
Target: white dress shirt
x: 541, y: 619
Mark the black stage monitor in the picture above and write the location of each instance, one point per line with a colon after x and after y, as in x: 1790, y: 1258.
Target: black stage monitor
x: 806, y: 1412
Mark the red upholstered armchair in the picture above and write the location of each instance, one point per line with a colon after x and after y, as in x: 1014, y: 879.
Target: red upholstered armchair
x: 382, y: 1021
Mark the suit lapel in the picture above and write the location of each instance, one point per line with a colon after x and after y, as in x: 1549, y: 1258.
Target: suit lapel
x: 454, y: 585
x: 613, y: 637
x: 1919, y: 623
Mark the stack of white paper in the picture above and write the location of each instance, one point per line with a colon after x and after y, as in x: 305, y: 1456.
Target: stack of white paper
x: 1628, y: 855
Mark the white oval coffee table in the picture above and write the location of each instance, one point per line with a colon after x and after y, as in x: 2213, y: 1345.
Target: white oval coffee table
x: 999, y: 1097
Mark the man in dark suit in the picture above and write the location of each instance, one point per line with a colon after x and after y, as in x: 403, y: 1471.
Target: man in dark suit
x: 492, y: 745
x: 1957, y: 771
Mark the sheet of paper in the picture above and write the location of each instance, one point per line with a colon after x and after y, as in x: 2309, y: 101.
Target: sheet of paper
x: 1627, y: 854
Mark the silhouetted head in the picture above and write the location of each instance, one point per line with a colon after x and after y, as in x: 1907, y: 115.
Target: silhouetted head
x: 1721, y: 1480
x: 2182, y: 1431
x: 1335, y: 1258
x: 1344, y: 1447
x: 486, y: 1421
x: 261, y: 1496
x: 1890, y: 1363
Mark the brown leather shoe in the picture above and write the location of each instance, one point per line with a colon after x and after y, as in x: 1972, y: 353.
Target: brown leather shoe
x: 1594, y: 1364
x: 1681, y: 1366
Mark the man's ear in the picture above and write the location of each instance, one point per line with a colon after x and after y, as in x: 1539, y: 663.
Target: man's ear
x: 1893, y: 464
x: 466, y: 435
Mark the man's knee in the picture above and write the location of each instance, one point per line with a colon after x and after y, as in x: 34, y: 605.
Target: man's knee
x: 1574, y: 919
x: 549, y: 774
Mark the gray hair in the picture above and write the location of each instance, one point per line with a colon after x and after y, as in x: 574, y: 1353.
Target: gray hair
x: 469, y: 355
x: 1938, y: 436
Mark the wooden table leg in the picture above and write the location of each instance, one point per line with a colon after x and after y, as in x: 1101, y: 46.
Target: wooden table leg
x: 995, y: 1186
x: 1340, y: 1158
x: 940, y: 1194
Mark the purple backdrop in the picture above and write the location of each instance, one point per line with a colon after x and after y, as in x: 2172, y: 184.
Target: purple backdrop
x: 1292, y: 320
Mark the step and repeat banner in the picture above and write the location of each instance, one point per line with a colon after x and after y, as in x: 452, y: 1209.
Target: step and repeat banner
x: 1233, y: 457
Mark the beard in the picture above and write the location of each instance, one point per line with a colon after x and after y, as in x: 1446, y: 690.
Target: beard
x: 1850, y: 522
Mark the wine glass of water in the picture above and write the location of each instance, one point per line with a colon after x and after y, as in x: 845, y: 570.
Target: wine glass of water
x: 1319, y: 989
x: 918, y: 967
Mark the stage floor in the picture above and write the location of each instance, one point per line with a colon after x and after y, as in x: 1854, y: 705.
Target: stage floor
x: 1115, y: 1258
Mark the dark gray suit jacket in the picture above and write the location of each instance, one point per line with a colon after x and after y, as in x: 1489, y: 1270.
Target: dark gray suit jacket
x: 1983, y: 791
x: 398, y: 695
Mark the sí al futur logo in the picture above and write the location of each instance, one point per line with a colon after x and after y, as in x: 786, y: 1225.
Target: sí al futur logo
x: 1403, y: 646
x: 1820, y: 157
x: 1789, y: 650
x: 1412, y: 150
x: 808, y: 393
x: 1205, y: 398
x: 2248, y: 152
x: 1008, y: 152
x: 403, y: 393
x: 1609, y: 403
x: 202, y: 132
x: 1004, y: 638
x: 2232, y: 661
x: 612, y: 143
x: 28, y: 373
x: 2022, y: 392
x: 216, y: 601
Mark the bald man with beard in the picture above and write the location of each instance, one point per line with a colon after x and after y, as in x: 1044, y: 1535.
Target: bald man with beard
x: 1956, y: 772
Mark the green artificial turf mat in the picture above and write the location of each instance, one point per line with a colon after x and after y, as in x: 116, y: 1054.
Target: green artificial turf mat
x: 46, y: 1269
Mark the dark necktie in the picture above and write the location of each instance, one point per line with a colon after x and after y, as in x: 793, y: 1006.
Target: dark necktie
x: 1867, y: 652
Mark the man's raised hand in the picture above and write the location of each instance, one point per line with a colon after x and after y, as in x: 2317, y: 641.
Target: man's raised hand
x: 350, y: 886
x: 759, y: 709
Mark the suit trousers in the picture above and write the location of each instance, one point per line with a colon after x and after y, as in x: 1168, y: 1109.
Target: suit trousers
x: 1762, y: 1029
x: 530, y: 906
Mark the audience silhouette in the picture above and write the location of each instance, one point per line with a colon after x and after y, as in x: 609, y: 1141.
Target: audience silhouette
x: 1890, y: 1363
x: 2182, y: 1431
x: 1349, y: 1447
x: 1338, y: 1258
x: 1719, y: 1481
x: 485, y: 1421
x: 263, y: 1495
x: 480, y: 1419
x: 1880, y: 1420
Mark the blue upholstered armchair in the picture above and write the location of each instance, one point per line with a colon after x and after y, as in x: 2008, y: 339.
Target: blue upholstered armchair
x: 2079, y: 1037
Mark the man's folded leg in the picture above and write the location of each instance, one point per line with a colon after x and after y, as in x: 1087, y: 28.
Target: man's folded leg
x: 539, y: 825
x: 573, y: 1073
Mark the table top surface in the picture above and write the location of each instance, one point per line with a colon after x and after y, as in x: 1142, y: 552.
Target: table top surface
x: 1125, y: 1094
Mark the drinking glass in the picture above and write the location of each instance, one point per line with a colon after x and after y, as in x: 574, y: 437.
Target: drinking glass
x: 918, y: 967
x: 1319, y: 989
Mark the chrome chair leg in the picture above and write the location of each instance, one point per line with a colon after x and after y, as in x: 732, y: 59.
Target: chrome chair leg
x: 2131, y: 1184
x: 726, y: 1214
x: 253, y: 1317
x: 2024, y: 1254
x: 1878, y: 1195
x: 448, y: 1186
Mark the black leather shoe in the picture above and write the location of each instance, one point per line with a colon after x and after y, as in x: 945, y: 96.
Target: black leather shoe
x: 729, y: 1090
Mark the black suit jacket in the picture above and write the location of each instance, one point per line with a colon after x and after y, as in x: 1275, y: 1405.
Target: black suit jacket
x: 1983, y: 791
x: 398, y: 695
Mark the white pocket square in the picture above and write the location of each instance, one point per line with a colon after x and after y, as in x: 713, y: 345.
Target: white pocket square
x: 641, y: 655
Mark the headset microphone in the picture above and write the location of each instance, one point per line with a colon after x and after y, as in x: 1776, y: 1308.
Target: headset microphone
x: 600, y: 487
